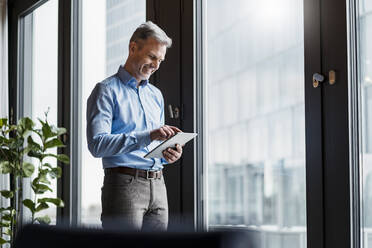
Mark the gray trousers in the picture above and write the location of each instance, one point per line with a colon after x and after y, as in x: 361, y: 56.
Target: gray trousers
x: 133, y: 202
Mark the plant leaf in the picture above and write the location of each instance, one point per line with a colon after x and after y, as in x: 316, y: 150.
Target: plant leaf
x: 6, y: 209
x: 61, y: 130
x: 8, y: 231
x: 43, y: 176
x: 41, y: 121
x: 47, y: 131
x: 48, y: 155
x: 7, y: 217
x: 60, y: 157
x: 48, y: 165
x: 56, y: 201
x: 3, y: 224
x: 43, y: 220
x: 3, y: 241
x: 35, y: 154
x: 40, y: 188
x: 56, y: 172
x: 3, y: 122
x: 41, y: 206
x: 27, y: 169
x: 29, y: 204
x: 26, y: 123
x: 63, y: 158
x: 3, y: 140
x: 12, y: 127
x: 5, y: 154
x: 16, y: 143
x: 7, y: 193
x: 54, y: 143
x: 34, y: 145
x: 6, y: 167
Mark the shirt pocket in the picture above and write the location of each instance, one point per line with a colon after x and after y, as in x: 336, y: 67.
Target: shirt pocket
x: 154, y: 116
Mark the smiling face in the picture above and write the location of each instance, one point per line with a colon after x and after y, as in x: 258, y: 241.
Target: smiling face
x: 144, y: 58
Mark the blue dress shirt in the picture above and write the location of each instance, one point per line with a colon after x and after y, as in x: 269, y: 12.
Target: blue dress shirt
x: 120, y: 117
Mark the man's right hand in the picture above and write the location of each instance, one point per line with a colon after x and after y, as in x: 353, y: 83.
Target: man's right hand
x: 163, y: 133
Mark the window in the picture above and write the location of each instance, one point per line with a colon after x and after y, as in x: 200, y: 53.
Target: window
x: 365, y: 77
x: 255, y: 120
x: 106, y: 29
x: 39, y: 79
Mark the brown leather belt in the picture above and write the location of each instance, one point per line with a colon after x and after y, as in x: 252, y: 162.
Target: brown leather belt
x: 141, y: 173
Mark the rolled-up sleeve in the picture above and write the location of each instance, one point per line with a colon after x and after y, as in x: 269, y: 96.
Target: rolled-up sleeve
x: 101, y: 142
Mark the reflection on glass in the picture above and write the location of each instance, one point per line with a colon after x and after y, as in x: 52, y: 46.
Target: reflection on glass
x: 106, y: 30
x: 365, y: 77
x: 255, y: 119
x: 44, y: 85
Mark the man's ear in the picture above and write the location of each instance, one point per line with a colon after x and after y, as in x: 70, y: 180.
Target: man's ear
x: 132, y: 47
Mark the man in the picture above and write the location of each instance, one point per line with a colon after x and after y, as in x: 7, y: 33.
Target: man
x: 125, y: 120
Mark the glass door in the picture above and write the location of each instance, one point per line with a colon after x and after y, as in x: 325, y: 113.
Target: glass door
x: 274, y: 147
x: 255, y: 119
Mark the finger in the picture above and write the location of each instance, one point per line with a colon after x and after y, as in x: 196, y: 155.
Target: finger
x: 169, y: 131
x: 167, y: 158
x: 179, y: 148
x: 170, y: 156
x: 163, y: 134
x: 175, y: 156
x: 173, y: 152
x: 165, y: 130
x: 176, y: 129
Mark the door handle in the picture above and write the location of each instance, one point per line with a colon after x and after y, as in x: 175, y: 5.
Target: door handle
x: 174, y: 112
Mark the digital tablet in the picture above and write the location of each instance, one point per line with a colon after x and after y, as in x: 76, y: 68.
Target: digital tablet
x: 180, y: 138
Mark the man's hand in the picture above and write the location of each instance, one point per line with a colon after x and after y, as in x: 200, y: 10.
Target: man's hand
x: 172, y: 155
x: 163, y: 133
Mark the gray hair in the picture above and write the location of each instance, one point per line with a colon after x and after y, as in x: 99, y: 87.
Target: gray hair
x: 151, y: 30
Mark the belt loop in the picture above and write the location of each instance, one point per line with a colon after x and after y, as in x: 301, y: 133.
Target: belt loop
x: 136, y: 176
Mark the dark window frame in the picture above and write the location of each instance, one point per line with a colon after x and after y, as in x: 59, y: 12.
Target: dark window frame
x: 326, y: 45
x: 175, y: 79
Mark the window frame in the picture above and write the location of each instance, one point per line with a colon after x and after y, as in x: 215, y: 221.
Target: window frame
x: 17, y: 10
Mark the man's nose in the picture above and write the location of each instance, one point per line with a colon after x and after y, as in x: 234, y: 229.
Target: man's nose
x: 155, y: 65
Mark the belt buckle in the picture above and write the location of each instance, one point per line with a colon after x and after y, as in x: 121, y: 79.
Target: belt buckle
x: 147, y: 175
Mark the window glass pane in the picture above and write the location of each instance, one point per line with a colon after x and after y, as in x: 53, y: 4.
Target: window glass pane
x: 106, y: 30
x: 41, y: 85
x: 365, y: 77
x: 255, y: 119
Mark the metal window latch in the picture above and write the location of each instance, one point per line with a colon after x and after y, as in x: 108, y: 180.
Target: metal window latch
x: 64, y: 138
x: 332, y: 77
x: 317, y: 79
x: 174, y: 112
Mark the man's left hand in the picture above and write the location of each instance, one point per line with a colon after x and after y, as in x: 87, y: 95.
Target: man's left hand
x: 172, y: 155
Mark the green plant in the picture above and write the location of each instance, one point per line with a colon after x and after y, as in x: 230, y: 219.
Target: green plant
x: 18, y: 145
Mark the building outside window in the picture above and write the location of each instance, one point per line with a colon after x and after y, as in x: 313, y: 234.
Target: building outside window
x: 255, y: 119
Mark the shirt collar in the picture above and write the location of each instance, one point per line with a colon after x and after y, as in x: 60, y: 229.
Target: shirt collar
x: 126, y: 78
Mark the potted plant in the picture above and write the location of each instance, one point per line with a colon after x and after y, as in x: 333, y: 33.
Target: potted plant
x: 20, y: 146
